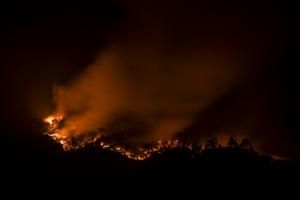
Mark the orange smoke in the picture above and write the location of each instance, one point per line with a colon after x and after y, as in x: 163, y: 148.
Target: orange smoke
x: 107, y: 96
x: 151, y: 83
x: 52, y: 118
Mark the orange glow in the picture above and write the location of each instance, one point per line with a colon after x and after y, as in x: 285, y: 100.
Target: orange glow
x: 50, y: 119
x: 71, y: 142
x: 141, y: 153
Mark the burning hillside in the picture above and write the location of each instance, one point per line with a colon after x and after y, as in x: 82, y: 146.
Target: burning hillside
x: 98, y: 138
x: 72, y: 142
x: 151, y: 82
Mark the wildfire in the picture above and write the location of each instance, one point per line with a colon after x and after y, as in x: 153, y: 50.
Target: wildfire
x: 52, y: 118
x: 70, y: 143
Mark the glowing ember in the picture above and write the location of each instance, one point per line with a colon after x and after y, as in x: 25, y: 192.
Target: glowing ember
x: 68, y: 142
x: 71, y: 142
x: 50, y: 119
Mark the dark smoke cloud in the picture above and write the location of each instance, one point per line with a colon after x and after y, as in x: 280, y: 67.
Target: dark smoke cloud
x: 171, y: 62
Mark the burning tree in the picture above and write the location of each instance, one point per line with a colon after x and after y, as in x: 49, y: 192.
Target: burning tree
x: 98, y: 139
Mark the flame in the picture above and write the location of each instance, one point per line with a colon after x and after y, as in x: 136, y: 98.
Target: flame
x: 52, y: 118
x: 67, y: 142
x: 70, y: 142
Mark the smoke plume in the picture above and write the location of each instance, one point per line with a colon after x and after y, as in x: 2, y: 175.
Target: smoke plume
x: 166, y: 65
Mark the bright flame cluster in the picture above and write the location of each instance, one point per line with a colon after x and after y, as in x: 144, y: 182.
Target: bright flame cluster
x: 67, y: 143
x: 53, y: 118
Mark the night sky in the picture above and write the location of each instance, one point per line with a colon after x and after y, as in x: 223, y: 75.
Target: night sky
x: 253, y: 44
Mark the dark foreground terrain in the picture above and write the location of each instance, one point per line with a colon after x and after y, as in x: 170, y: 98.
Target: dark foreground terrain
x: 39, y: 158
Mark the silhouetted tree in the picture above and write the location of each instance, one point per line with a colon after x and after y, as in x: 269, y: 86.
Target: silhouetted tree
x: 211, y: 143
x: 246, y: 144
x: 196, y: 148
x: 232, y: 143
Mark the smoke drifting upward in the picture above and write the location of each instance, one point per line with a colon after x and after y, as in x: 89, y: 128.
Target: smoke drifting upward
x: 168, y: 64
